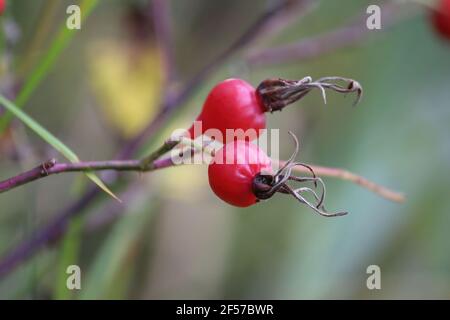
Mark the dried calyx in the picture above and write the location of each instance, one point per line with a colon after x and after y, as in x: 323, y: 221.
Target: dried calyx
x: 266, y: 185
x: 277, y: 93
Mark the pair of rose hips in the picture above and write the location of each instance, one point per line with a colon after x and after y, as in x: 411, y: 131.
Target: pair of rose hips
x: 441, y: 18
x: 241, y: 173
x: 2, y: 6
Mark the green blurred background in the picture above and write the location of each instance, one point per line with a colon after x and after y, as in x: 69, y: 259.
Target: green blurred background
x: 172, y: 238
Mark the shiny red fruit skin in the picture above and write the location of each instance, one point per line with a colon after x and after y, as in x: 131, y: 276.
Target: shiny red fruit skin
x: 232, y: 180
x: 231, y: 104
x: 2, y: 6
x: 441, y: 19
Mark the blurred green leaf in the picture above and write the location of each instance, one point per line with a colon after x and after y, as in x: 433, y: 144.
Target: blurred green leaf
x: 54, y: 51
x: 112, y: 254
x: 68, y: 256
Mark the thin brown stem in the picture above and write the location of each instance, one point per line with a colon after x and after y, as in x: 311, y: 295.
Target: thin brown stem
x: 352, y: 177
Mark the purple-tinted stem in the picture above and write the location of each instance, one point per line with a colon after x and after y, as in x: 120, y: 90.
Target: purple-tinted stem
x: 163, y: 31
x: 51, y: 167
x: 322, y: 44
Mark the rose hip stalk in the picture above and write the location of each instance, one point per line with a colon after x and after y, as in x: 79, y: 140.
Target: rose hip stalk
x: 241, y: 175
x: 236, y: 104
x: 441, y: 18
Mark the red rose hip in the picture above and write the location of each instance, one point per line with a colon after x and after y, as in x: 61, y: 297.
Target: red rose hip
x: 241, y: 175
x: 231, y: 104
x: 235, y: 104
x: 233, y: 169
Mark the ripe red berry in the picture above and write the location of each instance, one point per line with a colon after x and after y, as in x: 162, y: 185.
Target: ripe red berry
x: 231, y: 104
x: 2, y: 6
x: 235, y: 104
x: 441, y: 19
x: 233, y: 169
x: 241, y: 175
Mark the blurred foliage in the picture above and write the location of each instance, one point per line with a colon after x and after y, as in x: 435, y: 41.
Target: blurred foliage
x: 174, y: 239
x: 128, y: 85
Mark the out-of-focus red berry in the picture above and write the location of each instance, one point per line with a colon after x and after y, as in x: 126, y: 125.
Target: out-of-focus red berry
x: 2, y: 6
x: 441, y: 18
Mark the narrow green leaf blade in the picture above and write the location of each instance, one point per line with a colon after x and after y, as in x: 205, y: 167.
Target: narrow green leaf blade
x: 52, y: 140
x: 94, y: 178
x: 39, y: 130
